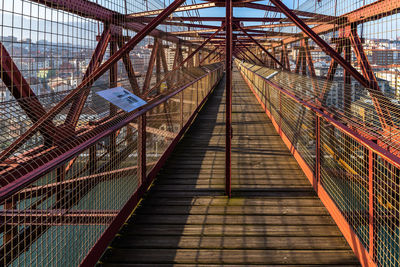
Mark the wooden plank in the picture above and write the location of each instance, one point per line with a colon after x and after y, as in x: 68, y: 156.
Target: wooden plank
x: 248, y: 177
x: 232, y: 256
x: 232, y: 210
x: 232, y: 230
x: 231, y: 242
x: 265, y: 220
x: 179, y: 187
x: 239, y: 192
x: 246, y: 181
x: 273, y: 218
x: 222, y: 201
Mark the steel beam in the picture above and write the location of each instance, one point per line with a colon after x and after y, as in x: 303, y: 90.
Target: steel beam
x: 228, y: 94
x: 22, y: 92
x: 235, y: 4
x: 179, y: 9
x: 262, y: 48
x: 152, y: 62
x: 245, y: 56
x: 209, y: 54
x: 376, y: 10
x: 79, y: 102
x: 164, y: 62
x: 310, y: 65
x: 181, y: 64
x: 331, y: 74
x: 286, y: 57
x: 347, y: 84
x: 89, y: 80
x: 254, y: 56
x: 325, y: 18
x: 129, y: 69
x: 221, y: 19
x: 141, y: 162
x: 380, y: 102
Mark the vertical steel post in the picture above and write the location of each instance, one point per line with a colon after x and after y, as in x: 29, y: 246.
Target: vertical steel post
x: 280, y: 112
x: 113, y: 78
x: 228, y: 91
x: 371, y: 176
x: 181, y: 107
x: 60, y: 195
x: 298, y: 61
x: 347, y: 82
x: 317, y: 175
x: 142, y: 148
x: 158, y: 68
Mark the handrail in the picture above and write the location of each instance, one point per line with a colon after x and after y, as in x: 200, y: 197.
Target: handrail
x: 337, y: 160
x: 368, y: 143
x: 70, y: 177
x: 22, y: 182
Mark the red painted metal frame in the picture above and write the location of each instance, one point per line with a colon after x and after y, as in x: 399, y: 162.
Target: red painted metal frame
x: 371, y: 200
x: 347, y: 84
x: 361, y: 252
x: 22, y: 92
x: 256, y: 57
x: 307, y: 61
x: 235, y: 4
x: 369, y: 144
x: 95, y: 11
x: 247, y: 57
x: 262, y: 47
x: 331, y: 74
x: 164, y: 62
x: 145, y: 94
x: 380, y: 102
x: 209, y: 54
x: 376, y: 10
x: 236, y: 19
x: 228, y: 95
x: 142, y: 149
x: 92, y: 77
x: 215, y: 56
x: 97, y: 57
x: 8, y: 190
x: 152, y: 62
x: 98, y: 249
x: 317, y: 175
x: 286, y: 61
x: 129, y: 69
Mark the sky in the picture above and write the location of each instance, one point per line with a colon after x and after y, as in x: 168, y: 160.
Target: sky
x: 12, y: 24
x: 239, y: 12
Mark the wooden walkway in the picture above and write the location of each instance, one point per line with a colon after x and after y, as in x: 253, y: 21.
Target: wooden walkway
x: 273, y: 218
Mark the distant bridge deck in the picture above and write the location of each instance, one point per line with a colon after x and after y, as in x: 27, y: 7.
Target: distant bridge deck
x: 273, y: 218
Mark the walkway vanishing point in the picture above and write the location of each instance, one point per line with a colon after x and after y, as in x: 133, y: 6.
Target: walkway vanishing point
x: 273, y: 218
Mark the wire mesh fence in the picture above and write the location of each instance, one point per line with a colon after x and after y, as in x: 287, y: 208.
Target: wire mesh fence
x: 360, y: 177
x: 71, y: 161
x: 56, y: 217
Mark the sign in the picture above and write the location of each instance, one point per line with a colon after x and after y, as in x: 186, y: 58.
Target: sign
x: 122, y: 98
x: 271, y: 75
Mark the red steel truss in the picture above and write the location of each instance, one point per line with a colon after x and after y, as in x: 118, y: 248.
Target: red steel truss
x: 66, y: 150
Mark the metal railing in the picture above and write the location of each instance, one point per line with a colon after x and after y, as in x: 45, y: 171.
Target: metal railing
x: 356, y: 179
x: 66, y: 210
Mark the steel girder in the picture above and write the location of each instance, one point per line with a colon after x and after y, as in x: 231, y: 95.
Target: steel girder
x: 99, y: 71
x: 382, y: 105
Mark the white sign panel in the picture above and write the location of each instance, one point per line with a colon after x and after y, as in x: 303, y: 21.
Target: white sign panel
x: 271, y: 75
x: 122, y: 98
